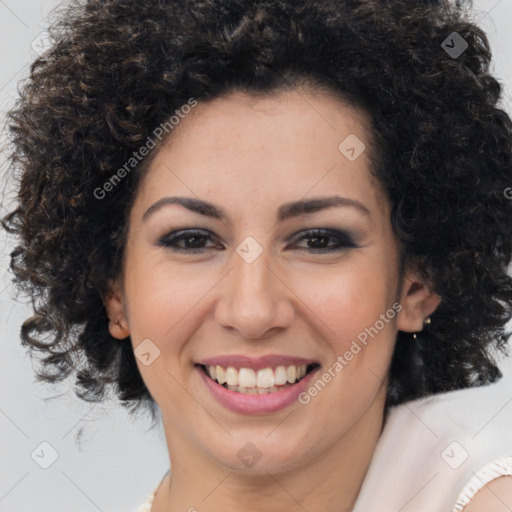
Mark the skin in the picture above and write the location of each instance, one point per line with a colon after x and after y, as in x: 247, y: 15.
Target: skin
x: 249, y: 156
x: 496, y: 496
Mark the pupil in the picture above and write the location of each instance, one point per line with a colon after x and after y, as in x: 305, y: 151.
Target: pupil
x: 319, y: 238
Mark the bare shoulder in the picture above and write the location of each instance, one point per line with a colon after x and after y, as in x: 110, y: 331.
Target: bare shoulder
x: 496, y: 496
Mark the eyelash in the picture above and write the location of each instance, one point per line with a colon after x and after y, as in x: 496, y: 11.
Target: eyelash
x: 344, y: 241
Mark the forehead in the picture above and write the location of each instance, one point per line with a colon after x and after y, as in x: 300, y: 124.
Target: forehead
x: 282, y: 116
x: 241, y: 146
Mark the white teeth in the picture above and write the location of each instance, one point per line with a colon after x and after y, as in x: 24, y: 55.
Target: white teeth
x: 231, y: 376
x: 281, y: 376
x: 251, y: 382
x: 221, y: 374
x: 265, y: 378
x: 247, y: 377
x: 291, y: 372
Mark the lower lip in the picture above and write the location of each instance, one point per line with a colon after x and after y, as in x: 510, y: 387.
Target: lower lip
x: 256, y: 404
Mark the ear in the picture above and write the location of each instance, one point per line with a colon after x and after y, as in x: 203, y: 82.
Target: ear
x: 418, y: 302
x: 116, y: 311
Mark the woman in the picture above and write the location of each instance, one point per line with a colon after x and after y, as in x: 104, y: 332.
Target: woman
x: 282, y: 224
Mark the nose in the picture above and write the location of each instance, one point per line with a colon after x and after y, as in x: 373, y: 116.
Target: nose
x: 255, y: 300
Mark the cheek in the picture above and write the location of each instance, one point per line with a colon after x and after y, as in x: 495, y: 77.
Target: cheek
x: 161, y: 307
x: 353, y: 308
x: 168, y: 303
x: 160, y: 293
x: 348, y: 298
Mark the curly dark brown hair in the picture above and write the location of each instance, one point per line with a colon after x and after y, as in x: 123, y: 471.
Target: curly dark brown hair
x: 120, y: 68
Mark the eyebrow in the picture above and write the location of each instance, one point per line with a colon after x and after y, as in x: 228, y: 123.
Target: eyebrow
x: 286, y: 211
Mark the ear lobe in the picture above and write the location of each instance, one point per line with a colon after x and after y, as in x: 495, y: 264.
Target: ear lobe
x: 115, y: 308
x: 418, y: 302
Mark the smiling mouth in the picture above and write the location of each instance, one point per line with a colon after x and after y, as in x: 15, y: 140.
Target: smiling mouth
x: 257, y: 382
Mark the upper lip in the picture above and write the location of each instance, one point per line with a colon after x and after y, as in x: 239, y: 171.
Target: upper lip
x: 256, y: 363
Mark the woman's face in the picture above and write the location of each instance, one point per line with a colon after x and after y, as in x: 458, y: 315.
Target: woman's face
x: 252, y: 290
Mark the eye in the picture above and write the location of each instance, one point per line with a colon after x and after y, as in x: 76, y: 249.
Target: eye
x: 194, y: 240
x: 320, y: 239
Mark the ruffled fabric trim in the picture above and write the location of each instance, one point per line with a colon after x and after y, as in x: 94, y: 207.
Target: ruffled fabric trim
x: 148, y: 502
x: 500, y: 467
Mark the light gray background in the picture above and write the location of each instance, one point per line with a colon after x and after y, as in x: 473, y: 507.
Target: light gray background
x: 112, y: 463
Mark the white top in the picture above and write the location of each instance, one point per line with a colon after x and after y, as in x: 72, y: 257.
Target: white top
x: 436, y: 453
